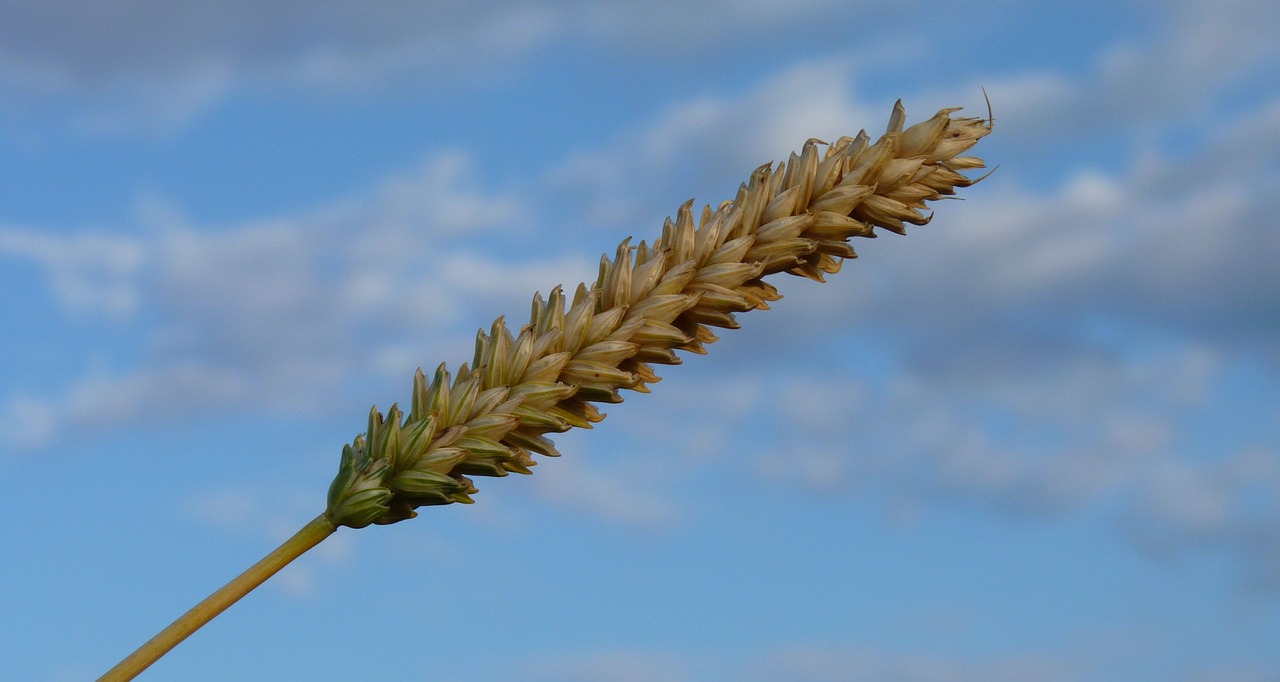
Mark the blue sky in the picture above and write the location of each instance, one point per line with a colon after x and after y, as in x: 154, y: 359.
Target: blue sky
x: 1036, y: 439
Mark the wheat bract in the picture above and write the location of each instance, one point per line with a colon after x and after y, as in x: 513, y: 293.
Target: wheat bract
x: 647, y: 302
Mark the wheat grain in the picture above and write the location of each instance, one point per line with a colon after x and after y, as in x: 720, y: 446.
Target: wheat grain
x: 647, y: 302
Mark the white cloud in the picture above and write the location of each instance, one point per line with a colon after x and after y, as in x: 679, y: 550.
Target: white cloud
x: 139, y: 67
x: 295, y: 580
x: 229, y: 509
x: 88, y: 272
x: 708, y: 141
x: 1229, y: 503
x: 1208, y: 46
x: 612, y: 666
x: 136, y: 104
x: 103, y: 401
x: 631, y: 496
x: 445, y: 195
x: 334, y: 41
x: 1109, y: 438
x: 816, y: 663
x: 1177, y: 243
x: 852, y: 664
x: 29, y: 424
x: 1172, y: 74
x: 278, y: 313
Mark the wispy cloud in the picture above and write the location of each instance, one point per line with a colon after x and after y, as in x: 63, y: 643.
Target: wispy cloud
x: 1094, y: 439
x: 816, y: 663
x: 709, y: 141
x: 137, y: 66
x: 88, y: 272
x: 628, y: 495
x: 1016, y: 310
x: 140, y: 68
x: 1142, y: 86
x: 276, y: 312
x: 613, y: 666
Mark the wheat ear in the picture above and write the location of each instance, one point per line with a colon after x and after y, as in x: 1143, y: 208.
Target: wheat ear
x: 647, y: 302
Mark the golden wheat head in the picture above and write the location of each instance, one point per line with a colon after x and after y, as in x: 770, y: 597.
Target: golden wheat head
x: 648, y: 301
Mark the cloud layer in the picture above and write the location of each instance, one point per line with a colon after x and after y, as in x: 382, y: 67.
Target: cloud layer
x: 1014, y: 324
x: 1088, y: 341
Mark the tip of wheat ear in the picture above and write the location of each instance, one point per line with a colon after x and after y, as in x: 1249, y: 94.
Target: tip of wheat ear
x: 647, y: 302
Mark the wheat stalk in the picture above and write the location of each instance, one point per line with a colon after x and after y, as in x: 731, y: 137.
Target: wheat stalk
x: 646, y: 303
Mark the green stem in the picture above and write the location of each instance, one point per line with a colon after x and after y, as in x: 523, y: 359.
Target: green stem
x: 310, y: 536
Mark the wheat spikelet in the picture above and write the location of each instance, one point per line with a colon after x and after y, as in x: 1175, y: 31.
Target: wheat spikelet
x: 647, y: 302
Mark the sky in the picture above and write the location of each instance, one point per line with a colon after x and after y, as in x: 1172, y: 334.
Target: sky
x: 1038, y: 438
